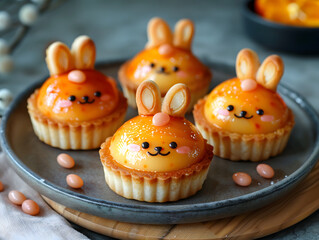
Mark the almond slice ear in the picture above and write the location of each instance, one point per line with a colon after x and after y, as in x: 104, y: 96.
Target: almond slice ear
x: 83, y: 51
x: 148, y: 98
x: 158, y: 33
x: 59, y: 59
x: 183, y: 35
x: 247, y: 64
x: 176, y: 100
x: 270, y: 72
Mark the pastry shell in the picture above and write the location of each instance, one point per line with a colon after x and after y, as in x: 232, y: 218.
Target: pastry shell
x: 129, y: 88
x: 75, y: 135
x: 235, y: 146
x: 154, y: 186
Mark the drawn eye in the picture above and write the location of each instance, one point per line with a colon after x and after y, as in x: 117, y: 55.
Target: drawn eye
x: 152, y: 65
x: 145, y: 145
x: 230, y: 108
x: 260, y: 112
x: 175, y: 69
x: 173, y: 145
x: 97, y: 94
x: 72, y: 98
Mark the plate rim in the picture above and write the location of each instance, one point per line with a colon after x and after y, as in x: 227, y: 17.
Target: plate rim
x: 296, y: 176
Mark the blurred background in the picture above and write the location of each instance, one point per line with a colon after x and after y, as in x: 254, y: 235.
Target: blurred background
x: 119, y: 31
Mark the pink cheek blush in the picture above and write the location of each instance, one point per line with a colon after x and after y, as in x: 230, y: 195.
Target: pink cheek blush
x: 105, y: 98
x: 183, y: 150
x: 267, y: 118
x: 133, y: 148
x: 182, y: 74
x: 64, y: 104
x: 76, y: 76
x: 248, y: 85
x: 160, y: 119
x: 223, y: 112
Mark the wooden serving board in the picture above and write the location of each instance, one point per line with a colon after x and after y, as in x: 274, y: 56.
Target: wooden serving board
x: 283, y: 213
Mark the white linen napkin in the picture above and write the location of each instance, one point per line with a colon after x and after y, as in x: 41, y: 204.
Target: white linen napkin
x: 16, y: 225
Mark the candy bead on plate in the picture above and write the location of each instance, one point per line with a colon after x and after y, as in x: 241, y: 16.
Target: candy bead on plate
x: 265, y: 171
x: 65, y: 160
x: 16, y: 197
x: 1, y: 186
x: 242, y: 179
x: 74, y: 181
x: 30, y: 207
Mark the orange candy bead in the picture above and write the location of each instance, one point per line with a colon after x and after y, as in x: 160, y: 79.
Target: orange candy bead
x: 265, y: 171
x: 242, y: 179
x: 30, y: 207
x: 1, y: 186
x: 74, y: 181
x: 16, y: 197
x: 65, y: 160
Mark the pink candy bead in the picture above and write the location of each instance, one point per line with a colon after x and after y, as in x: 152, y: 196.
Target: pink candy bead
x: 16, y: 197
x: 265, y: 171
x: 30, y: 207
x: 76, y: 76
x: 74, y: 181
x: 242, y: 179
x: 161, y: 119
x: 65, y: 160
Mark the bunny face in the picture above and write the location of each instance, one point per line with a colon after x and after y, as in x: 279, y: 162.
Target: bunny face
x: 158, y: 140
x: 249, y: 104
x: 75, y: 91
x: 168, y: 59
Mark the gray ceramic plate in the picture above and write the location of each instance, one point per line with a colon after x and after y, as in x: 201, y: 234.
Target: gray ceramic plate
x: 36, y: 163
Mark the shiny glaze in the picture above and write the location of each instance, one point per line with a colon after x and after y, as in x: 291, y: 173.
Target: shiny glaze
x: 230, y: 93
x: 189, y: 69
x: 126, y: 145
x: 53, y: 98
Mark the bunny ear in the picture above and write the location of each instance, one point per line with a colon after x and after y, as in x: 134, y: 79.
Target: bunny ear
x: 176, y: 100
x: 247, y: 64
x: 59, y: 59
x: 148, y: 98
x: 83, y: 51
x: 183, y: 35
x: 158, y: 33
x: 270, y: 72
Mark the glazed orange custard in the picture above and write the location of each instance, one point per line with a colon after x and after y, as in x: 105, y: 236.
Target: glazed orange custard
x: 167, y: 65
x: 141, y: 145
x: 230, y: 108
x: 292, y: 12
x: 94, y: 96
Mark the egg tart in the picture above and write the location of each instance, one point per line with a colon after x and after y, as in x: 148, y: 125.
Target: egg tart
x: 167, y: 59
x: 158, y: 156
x: 77, y: 107
x: 244, y: 118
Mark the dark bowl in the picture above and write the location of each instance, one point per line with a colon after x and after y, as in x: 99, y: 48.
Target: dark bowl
x: 279, y: 37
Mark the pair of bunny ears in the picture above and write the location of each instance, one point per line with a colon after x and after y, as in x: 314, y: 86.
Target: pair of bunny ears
x: 268, y: 74
x: 149, y: 101
x: 159, y: 33
x: 81, y: 56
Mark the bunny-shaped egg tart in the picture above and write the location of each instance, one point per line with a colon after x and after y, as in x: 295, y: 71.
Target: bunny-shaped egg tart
x: 167, y: 59
x: 77, y: 107
x: 244, y: 118
x: 157, y: 156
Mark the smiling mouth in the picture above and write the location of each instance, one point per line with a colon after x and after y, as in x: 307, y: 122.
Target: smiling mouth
x: 87, y: 102
x: 155, y: 154
x: 243, y: 116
